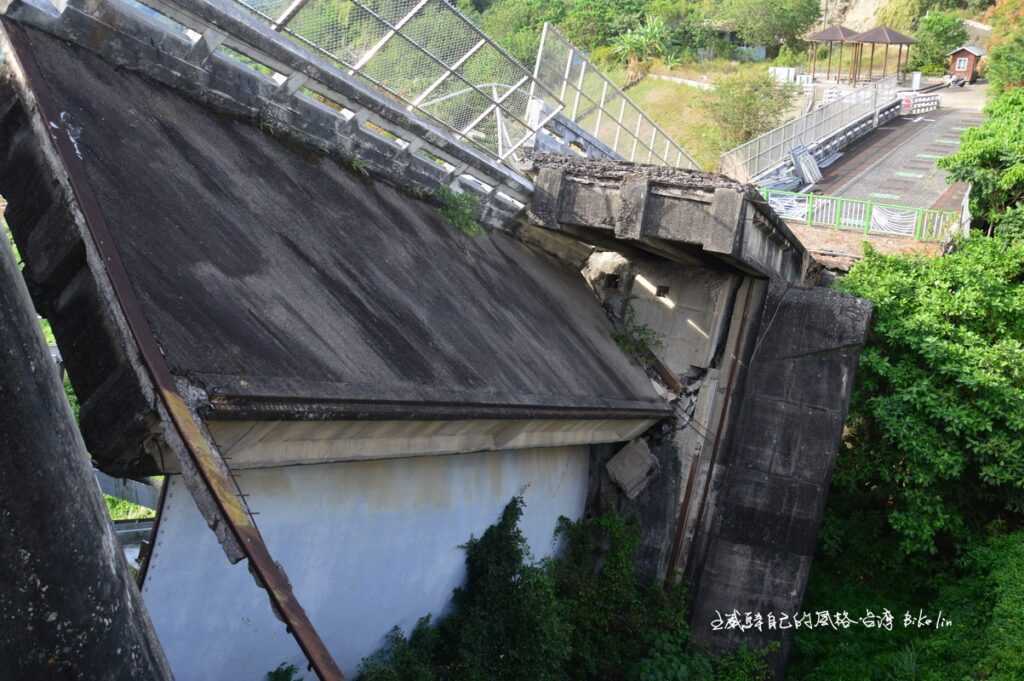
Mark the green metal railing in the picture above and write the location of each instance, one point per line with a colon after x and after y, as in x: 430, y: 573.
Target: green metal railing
x: 869, y: 217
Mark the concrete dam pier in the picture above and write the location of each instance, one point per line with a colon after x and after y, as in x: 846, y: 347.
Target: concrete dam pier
x: 264, y: 299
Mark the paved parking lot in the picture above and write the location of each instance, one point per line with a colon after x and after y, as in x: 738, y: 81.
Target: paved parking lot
x: 898, y: 162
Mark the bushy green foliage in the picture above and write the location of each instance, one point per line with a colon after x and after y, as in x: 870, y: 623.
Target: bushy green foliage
x: 121, y: 509
x: 746, y: 104
x: 938, y: 33
x: 635, y: 339
x: 769, y: 22
x: 584, y: 616
x: 902, y: 15
x: 991, y: 159
x: 981, y: 594
x: 284, y: 672
x: 1005, y: 70
x: 937, y: 418
x: 460, y: 209
x: 638, y: 46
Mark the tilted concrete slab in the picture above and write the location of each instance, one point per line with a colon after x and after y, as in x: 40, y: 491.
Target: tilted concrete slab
x: 683, y: 215
x: 283, y: 285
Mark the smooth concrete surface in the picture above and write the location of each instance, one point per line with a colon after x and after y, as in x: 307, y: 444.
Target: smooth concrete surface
x: 367, y: 546
x: 897, y: 164
x: 268, y: 444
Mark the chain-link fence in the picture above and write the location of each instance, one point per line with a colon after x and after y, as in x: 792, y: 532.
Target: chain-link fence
x: 424, y: 53
x: 566, y: 78
x: 753, y: 158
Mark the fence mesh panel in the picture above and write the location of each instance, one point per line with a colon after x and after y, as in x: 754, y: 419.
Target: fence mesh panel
x: 427, y: 55
x: 763, y: 153
x: 600, y: 108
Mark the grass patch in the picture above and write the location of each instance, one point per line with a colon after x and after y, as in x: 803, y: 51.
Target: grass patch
x: 678, y: 110
x: 120, y: 509
x: 460, y: 209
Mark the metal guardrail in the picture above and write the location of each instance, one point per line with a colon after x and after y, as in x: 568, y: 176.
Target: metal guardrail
x: 761, y: 154
x: 426, y: 54
x: 869, y: 217
x: 567, y: 78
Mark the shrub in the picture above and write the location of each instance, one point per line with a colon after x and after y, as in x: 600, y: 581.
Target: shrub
x: 746, y: 104
x: 584, y: 615
x: 937, y: 418
x: 991, y: 159
x: 938, y: 33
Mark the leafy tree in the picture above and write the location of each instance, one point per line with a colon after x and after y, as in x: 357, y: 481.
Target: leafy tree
x: 583, y: 616
x: 517, y: 24
x: 638, y: 46
x: 746, y: 104
x: 593, y: 23
x: 991, y: 159
x: 938, y: 33
x: 1005, y: 70
x: 937, y: 419
x: 769, y: 22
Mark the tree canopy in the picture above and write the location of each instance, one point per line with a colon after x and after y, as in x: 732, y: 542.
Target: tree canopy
x: 991, y: 159
x: 769, y: 22
x: 938, y: 33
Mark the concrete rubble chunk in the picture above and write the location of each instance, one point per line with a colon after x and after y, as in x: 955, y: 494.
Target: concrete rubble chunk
x: 633, y: 468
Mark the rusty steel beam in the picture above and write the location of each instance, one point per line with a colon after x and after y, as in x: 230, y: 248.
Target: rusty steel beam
x: 208, y: 462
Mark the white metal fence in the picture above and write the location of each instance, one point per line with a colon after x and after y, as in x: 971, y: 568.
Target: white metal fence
x: 869, y: 217
x: 566, y: 77
x: 763, y: 153
x: 426, y: 54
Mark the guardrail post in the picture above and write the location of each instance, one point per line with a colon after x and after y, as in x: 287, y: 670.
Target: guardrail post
x: 810, y: 209
x: 867, y: 217
x: 919, y: 223
x: 838, y: 203
x: 874, y: 105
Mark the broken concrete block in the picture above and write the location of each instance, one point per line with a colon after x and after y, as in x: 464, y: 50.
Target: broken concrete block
x: 632, y: 468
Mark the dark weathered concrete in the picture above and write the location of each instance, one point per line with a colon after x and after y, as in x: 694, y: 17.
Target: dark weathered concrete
x: 778, y: 465
x: 282, y: 284
x: 682, y: 215
x: 69, y: 608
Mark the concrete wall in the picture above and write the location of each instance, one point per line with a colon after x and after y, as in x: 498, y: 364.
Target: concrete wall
x: 367, y: 545
x: 777, y: 469
x: 685, y: 306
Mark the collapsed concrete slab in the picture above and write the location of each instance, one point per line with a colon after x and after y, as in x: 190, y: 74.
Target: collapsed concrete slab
x: 757, y: 365
x: 373, y: 382
x: 306, y: 314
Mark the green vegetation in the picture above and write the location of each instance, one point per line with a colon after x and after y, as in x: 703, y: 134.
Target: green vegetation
x: 631, y: 38
x: 926, y: 510
x: 635, y: 339
x: 1006, y: 65
x: 125, y: 510
x: 284, y: 672
x: 769, y: 22
x: 638, y: 46
x: 991, y: 158
x: 746, y: 105
x: 936, y: 426
x: 938, y: 33
x: 583, y: 616
x: 460, y: 209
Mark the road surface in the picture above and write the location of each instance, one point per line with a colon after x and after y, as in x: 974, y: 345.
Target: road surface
x: 898, y: 162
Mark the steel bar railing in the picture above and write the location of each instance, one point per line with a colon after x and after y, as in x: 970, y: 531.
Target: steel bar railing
x: 869, y: 217
x: 598, y: 106
x: 753, y: 158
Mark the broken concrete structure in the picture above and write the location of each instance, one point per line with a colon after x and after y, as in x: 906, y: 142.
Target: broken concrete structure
x: 344, y: 387
x: 758, y: 369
